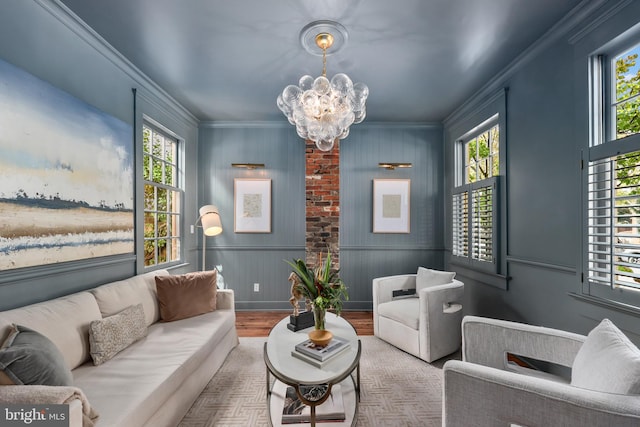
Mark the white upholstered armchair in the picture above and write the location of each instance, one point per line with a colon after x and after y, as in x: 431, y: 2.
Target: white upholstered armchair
x: 485, y: 389
x: 419, y: 313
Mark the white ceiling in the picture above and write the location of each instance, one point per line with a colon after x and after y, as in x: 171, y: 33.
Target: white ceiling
x: 227, y: 60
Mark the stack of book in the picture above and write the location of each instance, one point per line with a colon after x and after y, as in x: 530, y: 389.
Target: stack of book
x: 317, y: 355
x: 295, y: 411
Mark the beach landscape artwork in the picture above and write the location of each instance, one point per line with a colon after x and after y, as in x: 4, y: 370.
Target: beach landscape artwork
x: 66, y: 176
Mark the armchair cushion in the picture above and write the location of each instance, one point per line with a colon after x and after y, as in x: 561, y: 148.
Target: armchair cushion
x: 607, y: 362
x: 427, y: 278
x: 404, y: 311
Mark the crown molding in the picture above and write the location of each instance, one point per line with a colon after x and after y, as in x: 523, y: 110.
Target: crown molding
x: 598, y: 20
x: 286, y: 125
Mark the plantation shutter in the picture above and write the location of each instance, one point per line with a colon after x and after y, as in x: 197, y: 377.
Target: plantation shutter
x: 613, y: 216
x: 482, y: 224
x: 475, y: 222
x: 461, y: 224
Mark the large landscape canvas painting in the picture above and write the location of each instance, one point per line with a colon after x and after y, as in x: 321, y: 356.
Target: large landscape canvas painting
x: 66, y: 176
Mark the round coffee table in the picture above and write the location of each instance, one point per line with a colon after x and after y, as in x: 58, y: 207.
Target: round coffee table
x: 303, y: 376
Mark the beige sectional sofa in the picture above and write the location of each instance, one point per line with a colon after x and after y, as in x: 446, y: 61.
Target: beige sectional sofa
x: 152, y: 382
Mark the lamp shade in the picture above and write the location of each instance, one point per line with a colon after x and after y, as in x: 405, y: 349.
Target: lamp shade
x: 210, y: 218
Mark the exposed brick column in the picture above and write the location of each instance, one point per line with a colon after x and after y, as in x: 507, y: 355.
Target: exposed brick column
x: 322, y: 179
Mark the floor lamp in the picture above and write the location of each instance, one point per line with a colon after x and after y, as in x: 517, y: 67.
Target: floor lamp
x: 211, y: 226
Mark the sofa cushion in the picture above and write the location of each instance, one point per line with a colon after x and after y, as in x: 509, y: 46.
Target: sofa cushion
x: 29, y: 358
x: 607, y: 361
x: 109, y: 336
x: 186, y: 295
x: 427, y: 278
x: 405, y: 311
x: 114, y: 297
x: 134, y: 385
x: 65, y: 321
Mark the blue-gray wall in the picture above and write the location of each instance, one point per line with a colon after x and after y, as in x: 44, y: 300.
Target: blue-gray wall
x: 547, y: 127
x: 545, y: 112
x: 249, y: 258
x: 43, y: 39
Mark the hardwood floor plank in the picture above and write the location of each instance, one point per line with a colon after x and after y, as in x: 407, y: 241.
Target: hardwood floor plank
x: 259, y: 323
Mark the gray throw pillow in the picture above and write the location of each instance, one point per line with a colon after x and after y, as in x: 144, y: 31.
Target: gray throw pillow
x: 111, y: 335
x: 427, y: 278
x: 607, y: 361
x: 29, y: 358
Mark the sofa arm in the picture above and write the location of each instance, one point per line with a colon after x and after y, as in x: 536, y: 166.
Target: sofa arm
x: 486, y: 397
x: 80, y: 412
x: 486, y: 342
x: 225, y: 299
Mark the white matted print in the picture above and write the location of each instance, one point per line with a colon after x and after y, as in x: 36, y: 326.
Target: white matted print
x: 252, y: 205
x: 391, y: 205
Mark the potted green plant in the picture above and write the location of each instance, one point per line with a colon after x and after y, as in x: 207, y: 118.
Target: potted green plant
x: 322, y: 286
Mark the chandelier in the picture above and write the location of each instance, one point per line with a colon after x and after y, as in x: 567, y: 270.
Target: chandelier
x: 321, y: 109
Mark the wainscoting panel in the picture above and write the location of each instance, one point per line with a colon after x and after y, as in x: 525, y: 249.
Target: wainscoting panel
x: 242, y: 267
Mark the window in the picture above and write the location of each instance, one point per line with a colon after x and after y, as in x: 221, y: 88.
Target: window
x: 162, y: 196
x: 475, y: 198
x: 613, y: 177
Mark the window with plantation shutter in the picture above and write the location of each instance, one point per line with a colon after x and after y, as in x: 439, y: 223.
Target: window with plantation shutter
x: 611, y: 177
x: 475, y: 198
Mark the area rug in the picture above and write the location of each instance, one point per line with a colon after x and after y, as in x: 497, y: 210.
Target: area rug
x: 397, y: 389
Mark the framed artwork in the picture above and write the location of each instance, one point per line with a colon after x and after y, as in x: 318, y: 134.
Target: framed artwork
x: 252, y: 205
x: 391, y: 205
x: 66, y: 176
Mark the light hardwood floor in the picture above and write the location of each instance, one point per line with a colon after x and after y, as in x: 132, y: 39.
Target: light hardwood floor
x: 259, y: 323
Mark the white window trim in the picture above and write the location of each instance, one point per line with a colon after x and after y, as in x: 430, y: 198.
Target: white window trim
x: 179, y: 186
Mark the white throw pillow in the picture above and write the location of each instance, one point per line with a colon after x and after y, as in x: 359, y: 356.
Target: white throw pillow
x: 427, y: 278
x: 607, y: 361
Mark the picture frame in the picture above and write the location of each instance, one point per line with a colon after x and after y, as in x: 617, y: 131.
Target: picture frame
x: 391, y: 205
x: 252, y: 205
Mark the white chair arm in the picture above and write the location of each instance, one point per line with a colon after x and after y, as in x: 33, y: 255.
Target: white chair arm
x: 383, y: 287
x: 486, y: 341
x: 440, y: 315
x: 485, y: 397
x: 440, y: 299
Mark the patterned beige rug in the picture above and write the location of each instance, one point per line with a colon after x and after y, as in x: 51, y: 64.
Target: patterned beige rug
x: 397, y: 389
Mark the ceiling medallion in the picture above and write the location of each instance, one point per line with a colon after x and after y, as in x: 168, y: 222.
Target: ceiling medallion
x: 321, y: 109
